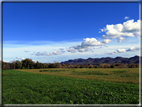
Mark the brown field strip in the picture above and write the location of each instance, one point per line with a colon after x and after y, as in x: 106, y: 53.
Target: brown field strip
x: 130, y: 76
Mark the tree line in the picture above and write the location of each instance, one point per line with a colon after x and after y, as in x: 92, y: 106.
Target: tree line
x: 29, y: 64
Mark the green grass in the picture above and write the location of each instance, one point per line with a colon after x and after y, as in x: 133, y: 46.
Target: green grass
x: 51, y: 70
x: 129, y: 75
x: 31, y: 88
x: 89, y: 73
x: 119, y: 71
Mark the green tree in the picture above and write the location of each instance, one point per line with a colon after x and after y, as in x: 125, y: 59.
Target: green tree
x: 63, y: 64
x: 112, y: 66
x: 130, y: 65
x: 57, y: 65
x: 81, y: 66
x: 13, y: 65
x: 18, y: 64
x: 37, y: 65
x: 27, y: 63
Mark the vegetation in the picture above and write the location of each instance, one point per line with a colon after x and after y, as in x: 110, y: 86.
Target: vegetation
x: 90, y: 73
x: 123, y: 75
x: 29, y: 64
x: 61, y: 86
x: 112, y: 66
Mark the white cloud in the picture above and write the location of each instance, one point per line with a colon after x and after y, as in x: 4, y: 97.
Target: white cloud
x: 126, y: 17
x: 91, y: 42
x: 121, y: 50
x: 125, y: 50
x: 121, y: 39
x: 6, y: 61
x: 113, y: 52
x: 85, y: 45
x: 33, y: 60
x: 127, y: 29
x: 23, y: 58
x: 106, y: 41
x: 101, y: 30
x: 49, y: 54
x: 18, y: 58
x: 72, y: 50
x: 40, y: 54
x: 133, y: 49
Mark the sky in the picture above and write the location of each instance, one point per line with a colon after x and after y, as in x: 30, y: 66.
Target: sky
x: 56, y: 32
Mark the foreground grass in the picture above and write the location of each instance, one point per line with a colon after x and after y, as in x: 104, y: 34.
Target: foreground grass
x: 31, y: 88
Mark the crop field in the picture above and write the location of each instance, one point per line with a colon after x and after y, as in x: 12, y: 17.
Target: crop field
x: 71, y: 86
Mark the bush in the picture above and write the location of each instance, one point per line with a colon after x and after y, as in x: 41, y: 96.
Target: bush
x: 90, y: 66
x: 81, y: 66
x: 112, y: 66
x: 23, y: 68
x: 76, y: 66
x: 96, y: 66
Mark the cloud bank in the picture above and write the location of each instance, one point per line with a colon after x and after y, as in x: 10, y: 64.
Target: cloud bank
x: 125, y: 50
x: 20, y: 58
x: 58, y: 52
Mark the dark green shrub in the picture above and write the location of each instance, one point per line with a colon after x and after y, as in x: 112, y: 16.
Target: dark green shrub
x: 112, y: 66
x: 23, y: 68
x: 81, y: 66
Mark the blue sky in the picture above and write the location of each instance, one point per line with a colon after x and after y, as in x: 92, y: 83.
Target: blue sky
x: 48, y: 32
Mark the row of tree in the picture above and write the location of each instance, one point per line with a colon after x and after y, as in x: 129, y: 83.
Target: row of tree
x: 29, y: 64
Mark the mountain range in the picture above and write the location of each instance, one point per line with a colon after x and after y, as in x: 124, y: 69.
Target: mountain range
x: 107, y: 60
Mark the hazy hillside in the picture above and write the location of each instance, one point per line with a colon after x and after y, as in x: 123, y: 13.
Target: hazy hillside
x: 108, y: 60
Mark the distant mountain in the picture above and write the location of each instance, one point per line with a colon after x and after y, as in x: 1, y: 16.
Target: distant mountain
x: 107, y: 60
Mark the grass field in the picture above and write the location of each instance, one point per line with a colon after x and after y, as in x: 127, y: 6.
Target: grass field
x: 71, y: 86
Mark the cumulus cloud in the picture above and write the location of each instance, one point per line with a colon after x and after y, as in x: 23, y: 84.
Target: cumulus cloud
x: 40, y: 54
x: 121, y: 50
x: 121, y: 39
x: 49, y: 54
x: 125, y: 50
x: 133, y: 49
x: 106, y: 41
x: 113, y: 52
x: 91, y: 42
x: 127, y: 29
x: 126, y: 17
x: 73, y: 50
x: 86, y: 45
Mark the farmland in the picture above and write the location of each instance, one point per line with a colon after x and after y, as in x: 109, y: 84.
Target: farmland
x: 71, y: 86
